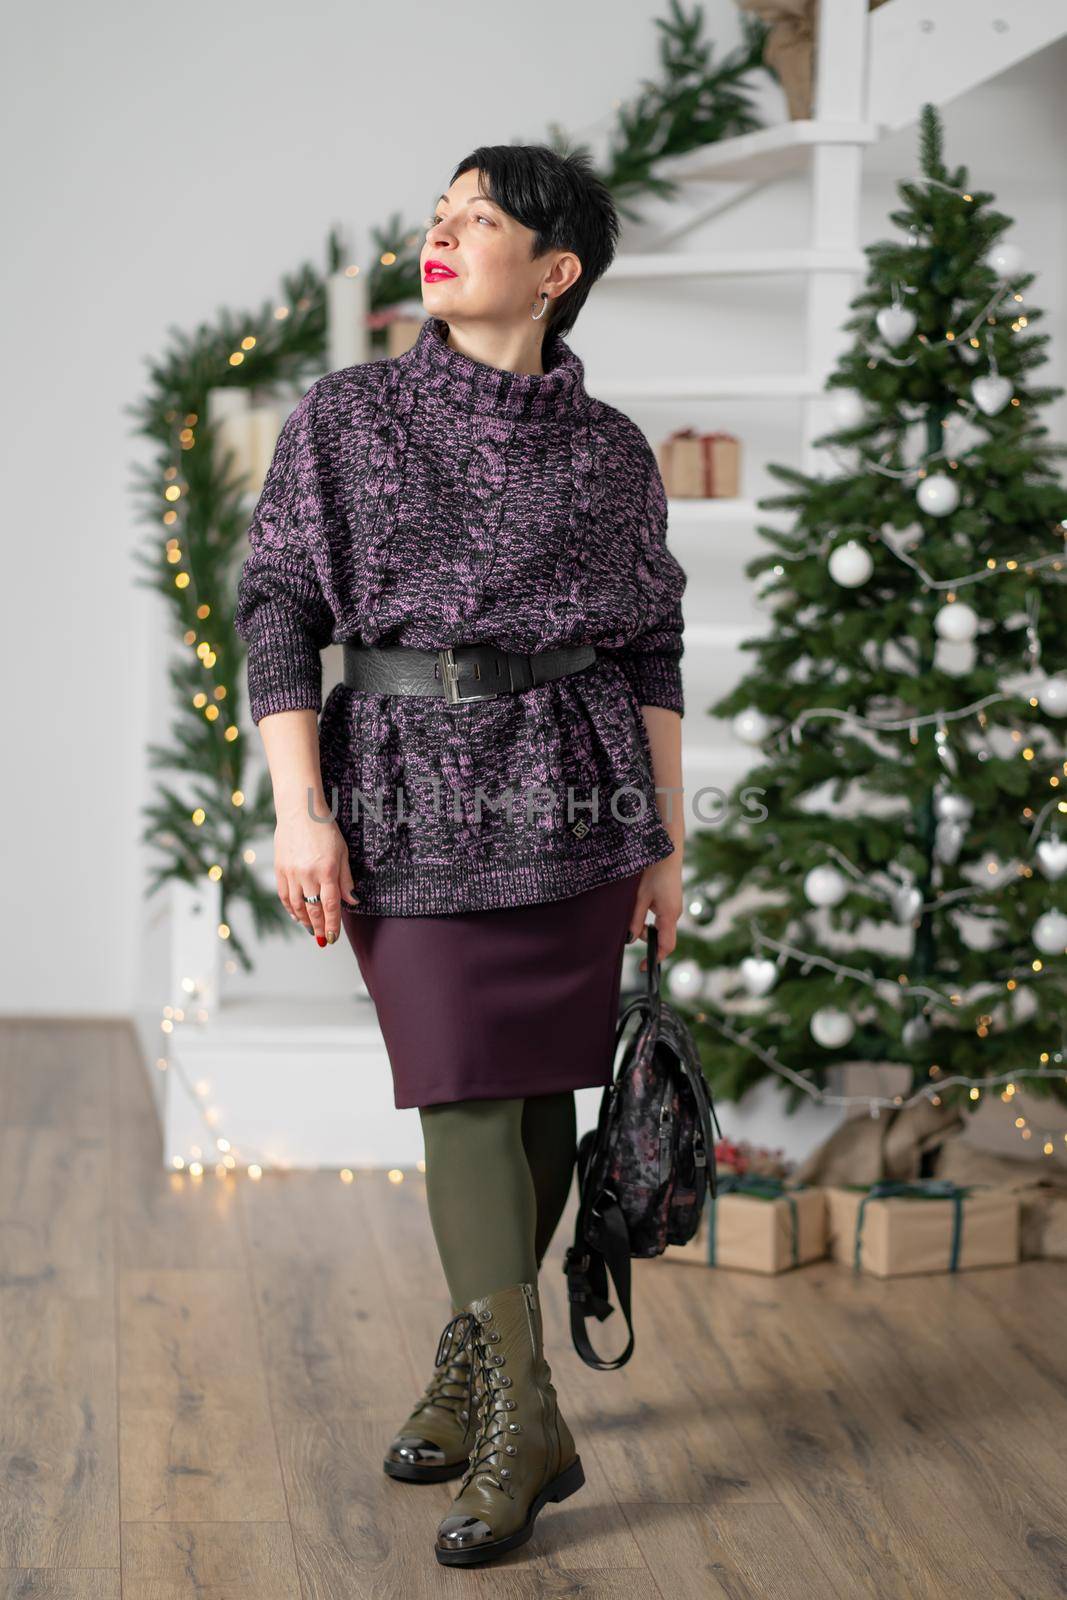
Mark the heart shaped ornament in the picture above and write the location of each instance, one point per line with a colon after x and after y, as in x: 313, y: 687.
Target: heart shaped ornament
x: 895, y: 323
x: 758, y: 975
x: 1052, y: 858
x: 992, y: 394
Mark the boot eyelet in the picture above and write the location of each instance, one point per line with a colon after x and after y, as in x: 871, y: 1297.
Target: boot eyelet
x: 511, y: 1449
x: 505, y: 1472
x: 505, y: 1381
x: 515, y: 1427
x: 510, y: 1404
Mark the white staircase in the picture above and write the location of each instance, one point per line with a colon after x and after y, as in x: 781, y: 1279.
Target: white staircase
x: 289, y: 1063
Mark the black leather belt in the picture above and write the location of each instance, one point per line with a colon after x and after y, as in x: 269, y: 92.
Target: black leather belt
x: 460, y: 672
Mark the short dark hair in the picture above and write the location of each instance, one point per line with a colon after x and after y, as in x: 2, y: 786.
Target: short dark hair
x: 560, y: 197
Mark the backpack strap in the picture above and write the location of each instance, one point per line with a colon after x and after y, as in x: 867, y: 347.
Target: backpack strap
x: 587, y: 1281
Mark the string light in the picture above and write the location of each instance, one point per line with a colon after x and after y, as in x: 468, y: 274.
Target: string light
x: 820, y: 547
x: 874, y: 1102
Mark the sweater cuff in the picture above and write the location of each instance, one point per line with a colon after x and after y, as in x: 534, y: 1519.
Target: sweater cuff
x: 656, y: 680
x: 284, y: 666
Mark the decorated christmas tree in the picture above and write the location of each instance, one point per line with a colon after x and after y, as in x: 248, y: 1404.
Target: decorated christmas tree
x: 888, y: 884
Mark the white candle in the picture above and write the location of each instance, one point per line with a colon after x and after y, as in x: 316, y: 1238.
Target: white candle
x: 230, y: 411
x: 266, y: 424
x: 346, y: 319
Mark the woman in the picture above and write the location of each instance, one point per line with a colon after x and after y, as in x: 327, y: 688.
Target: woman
x: 488, y: 542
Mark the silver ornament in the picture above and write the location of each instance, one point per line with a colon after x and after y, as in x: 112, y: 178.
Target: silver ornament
x: 907, y: 902
x: 938, y: 494
x: 751, y: 726
x: 1005, y: 259
x: 1051, y: 856
x: 1052, y: 696
x: 915, y: 1030
x: 850, y: 565
x: 831, y: 1028
x: 685, y: 978
x: 895, y: 323
x: 950, y: 807
x: 825, y: 886
x: 991, y: 394
x: 947, y: 841
x: 759, y: 975
x: 1050, y: 933
x: 956, y: 622
x: 700, y: 907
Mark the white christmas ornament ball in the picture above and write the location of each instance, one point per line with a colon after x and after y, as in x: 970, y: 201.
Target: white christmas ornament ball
x: 825, y: 886
x: 1052, y: 696
x: 957, y: 622
x: 831, y: 1028
x: 1050, y: 933
x: 751, y: 726
x: 938, y: 494
x: 847, y: 408
x: 684, y: 979
x: 895, y: 323
x: 850, y: 565
x: 1005, y: 259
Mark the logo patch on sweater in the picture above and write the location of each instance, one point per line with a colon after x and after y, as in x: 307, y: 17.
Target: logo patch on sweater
x: 581, y: 827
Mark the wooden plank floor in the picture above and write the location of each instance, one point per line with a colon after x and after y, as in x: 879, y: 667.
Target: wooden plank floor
x: 197, y: 1380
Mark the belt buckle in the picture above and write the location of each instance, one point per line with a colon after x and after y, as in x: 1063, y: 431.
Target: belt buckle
x: 450, y: 679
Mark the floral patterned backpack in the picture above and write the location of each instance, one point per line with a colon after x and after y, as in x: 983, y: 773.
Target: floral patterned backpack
x: 645, y: 1170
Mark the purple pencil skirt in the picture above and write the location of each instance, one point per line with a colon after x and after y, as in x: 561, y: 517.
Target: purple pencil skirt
x: 514, y: 1001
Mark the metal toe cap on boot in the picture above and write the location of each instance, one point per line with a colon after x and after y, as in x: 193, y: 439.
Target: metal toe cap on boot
x: 414, y: 1451
x: 459, y: 1532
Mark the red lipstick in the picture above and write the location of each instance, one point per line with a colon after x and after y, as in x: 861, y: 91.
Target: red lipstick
x: 435, y: 270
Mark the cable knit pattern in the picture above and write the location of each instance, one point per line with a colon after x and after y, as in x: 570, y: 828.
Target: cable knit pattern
x: 430, y: 499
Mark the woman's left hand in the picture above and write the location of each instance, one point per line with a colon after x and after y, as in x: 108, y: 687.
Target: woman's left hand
x: 659, y: 891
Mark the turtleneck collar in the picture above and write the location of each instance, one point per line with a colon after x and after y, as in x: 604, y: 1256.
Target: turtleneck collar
x: 460, y: 381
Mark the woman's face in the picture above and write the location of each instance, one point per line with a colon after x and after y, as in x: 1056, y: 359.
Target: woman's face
x: 488, y: 254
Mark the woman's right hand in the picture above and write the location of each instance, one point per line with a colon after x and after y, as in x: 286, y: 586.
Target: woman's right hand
x: 311, y: 857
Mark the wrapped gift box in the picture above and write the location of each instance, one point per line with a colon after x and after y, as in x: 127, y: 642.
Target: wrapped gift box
x: 757, y: 1224
x: 933, y: 1225
x: 1040, y: 1185
x: 700, y: 466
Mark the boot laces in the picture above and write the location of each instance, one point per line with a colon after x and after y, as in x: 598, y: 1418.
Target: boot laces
x: 493, y: 1427
x: 448, y: 1363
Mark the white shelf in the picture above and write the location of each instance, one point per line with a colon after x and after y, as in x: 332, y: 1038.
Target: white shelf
x: 728, y: 509
x: 730, y: 386
x: 733, y: 263
x: 768, y: 152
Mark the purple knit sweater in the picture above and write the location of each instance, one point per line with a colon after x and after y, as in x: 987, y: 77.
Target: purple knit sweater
x: 428, y: 500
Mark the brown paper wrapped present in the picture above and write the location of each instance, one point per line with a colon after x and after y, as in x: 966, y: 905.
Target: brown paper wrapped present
x: 700, y: 466
x: 896, y: 1229
x: 866, y: 1149
x: 757, y: 1224
x: 1040, y: 1186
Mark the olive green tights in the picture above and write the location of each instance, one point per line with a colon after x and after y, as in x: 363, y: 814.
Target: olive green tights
x: 498, y: 1173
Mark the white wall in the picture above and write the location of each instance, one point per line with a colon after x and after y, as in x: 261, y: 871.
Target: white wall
x: 161, y: 165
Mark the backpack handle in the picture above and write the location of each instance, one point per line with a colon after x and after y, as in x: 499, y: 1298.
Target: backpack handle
x: 652, y: 975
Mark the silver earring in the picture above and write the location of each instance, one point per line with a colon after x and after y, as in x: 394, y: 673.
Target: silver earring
x: 536, y: 316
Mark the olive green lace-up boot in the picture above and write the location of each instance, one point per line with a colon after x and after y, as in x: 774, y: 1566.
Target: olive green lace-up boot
x: 524, y: 1454
x: 436, y: 1440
